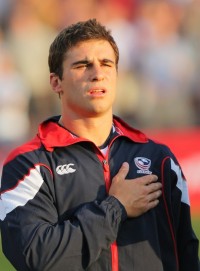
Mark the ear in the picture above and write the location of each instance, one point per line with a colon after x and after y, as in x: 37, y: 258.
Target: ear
x: 55, y: 83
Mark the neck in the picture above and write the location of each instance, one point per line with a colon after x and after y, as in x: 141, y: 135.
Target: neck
x: 96, y: 129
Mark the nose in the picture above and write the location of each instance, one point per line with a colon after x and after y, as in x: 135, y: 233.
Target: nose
x: 97, y: 73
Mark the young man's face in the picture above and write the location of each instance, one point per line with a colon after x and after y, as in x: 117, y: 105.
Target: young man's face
x: 88, y: 85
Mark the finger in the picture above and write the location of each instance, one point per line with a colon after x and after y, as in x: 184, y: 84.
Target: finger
x: 123, y: 171
x: 152, y: 187
x: 154, y: 196
x: 148, y: 179
x: 153, y: 204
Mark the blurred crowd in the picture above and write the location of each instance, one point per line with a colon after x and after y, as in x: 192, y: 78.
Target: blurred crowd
x: 159, y: 42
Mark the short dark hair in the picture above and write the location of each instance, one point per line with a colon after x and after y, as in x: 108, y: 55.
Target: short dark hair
x: 72, y: 35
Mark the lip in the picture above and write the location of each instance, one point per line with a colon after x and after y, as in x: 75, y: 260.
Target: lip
x: 97, y: 91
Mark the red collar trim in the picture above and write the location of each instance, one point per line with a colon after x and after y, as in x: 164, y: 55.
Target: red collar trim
x: 53, y: 135
x: 124, y: 129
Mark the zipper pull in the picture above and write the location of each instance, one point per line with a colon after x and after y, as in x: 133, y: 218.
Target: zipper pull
x: 105, y: 165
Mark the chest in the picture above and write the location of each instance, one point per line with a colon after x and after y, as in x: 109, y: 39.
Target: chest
x: 79, y: 173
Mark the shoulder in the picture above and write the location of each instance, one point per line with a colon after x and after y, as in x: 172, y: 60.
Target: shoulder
x: 23, y: 150
x: 33, y: 147
x: 140, y: 137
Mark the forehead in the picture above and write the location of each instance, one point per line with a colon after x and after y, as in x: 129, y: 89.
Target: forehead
x: 91, y: 48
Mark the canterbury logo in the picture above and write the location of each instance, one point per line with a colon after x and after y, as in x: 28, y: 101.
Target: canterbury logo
x: 65, y: 169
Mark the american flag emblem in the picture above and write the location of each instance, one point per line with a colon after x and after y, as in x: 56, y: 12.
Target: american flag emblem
x: 143, y: 164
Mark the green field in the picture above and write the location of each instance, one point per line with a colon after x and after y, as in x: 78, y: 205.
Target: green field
x: 5, y: 266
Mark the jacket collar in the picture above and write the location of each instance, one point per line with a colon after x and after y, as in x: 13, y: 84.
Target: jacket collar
x: 52, y: 135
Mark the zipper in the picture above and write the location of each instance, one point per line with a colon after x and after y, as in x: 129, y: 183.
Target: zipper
x: 113, y: 246
x: 106, y: 169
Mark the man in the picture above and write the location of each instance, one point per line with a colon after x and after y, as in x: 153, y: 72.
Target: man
x: 85, y: 194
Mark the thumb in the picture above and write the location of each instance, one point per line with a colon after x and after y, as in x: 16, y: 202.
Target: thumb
x: 123, y: 171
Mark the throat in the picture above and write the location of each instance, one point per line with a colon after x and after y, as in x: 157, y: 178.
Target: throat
x: 104, y: 146
x: 93, y: 131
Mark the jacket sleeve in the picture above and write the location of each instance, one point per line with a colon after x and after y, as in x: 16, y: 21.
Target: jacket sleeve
x: 33, y: 238
x: 185, y: 241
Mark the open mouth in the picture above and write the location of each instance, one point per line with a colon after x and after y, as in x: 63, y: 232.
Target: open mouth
x: 97, y: 91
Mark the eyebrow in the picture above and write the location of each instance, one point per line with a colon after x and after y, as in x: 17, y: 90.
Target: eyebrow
x: 105, y: 60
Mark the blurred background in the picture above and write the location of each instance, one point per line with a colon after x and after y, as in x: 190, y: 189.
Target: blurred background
x: 159, y: 81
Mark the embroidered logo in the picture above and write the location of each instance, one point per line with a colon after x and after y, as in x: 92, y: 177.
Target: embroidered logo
x: 143, y: 164
x: 65, y: 169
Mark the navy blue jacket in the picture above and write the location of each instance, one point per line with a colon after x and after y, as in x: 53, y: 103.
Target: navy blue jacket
x: 56, y: 214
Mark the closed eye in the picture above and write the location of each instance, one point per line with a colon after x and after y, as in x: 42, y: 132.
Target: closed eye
x: 80, y: 64
x: 87, y: 64
x: 108, y: 63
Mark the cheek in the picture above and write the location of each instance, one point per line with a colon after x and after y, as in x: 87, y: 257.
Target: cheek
x: 113, y: 77
x: 114, y: 84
